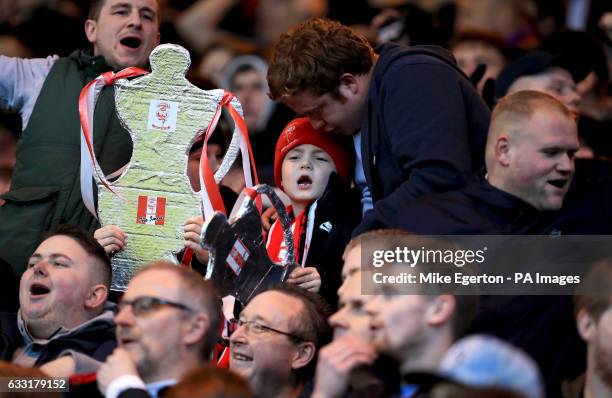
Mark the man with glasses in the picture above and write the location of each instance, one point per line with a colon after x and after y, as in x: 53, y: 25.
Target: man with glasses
x: 276, y: 341
x: 167, y: 324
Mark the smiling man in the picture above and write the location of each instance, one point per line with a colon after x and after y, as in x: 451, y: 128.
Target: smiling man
x: 45, y: 188
x: 530, y: 164
x: 62, y: 295
x: 276, y: 341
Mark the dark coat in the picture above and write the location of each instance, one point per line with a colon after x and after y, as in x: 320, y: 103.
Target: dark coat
x: 338, y: 212
x: 96, y: 340
x: 477, y: 209
x: 9, y: 288
x: 543, y: 326
x: 134, y: 393
x: 574, y: 388
x: 481, y: 209
x: 424, y: 130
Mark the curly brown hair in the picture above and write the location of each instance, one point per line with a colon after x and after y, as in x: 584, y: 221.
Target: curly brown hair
x: 314, y: 55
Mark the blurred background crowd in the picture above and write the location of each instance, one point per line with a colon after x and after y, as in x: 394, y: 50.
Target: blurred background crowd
x: 231, y: 40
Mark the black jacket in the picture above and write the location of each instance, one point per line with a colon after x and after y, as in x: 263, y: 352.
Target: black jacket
x: 96, y: 339
x: 424, y: 129
x: 338, y: 212
x: 477, y: 209
x: 481, y: 209
x: 543, y: 326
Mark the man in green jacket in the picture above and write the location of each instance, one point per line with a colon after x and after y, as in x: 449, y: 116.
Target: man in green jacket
x: 45, y: 190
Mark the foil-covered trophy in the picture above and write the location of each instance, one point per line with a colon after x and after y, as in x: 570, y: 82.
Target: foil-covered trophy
x: 152, y: 197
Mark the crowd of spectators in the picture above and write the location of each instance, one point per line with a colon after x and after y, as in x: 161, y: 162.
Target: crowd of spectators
x: 378, y: 122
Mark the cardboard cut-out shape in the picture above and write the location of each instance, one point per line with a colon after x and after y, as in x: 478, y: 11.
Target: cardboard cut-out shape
x: 239, y: 264
x: 164, y: 113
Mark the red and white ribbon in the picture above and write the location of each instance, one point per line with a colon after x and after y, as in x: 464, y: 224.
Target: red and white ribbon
x: 210, y: 195
x: 87, y: 102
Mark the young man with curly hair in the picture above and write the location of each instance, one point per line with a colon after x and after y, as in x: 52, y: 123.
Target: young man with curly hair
x: 418, y: 124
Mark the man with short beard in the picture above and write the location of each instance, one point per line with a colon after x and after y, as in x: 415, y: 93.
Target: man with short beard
x: 529, y: 159
x: 593, y: 307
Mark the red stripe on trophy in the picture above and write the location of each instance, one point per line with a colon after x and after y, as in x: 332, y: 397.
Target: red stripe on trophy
x: 141, y: 214
x: 160, y: 214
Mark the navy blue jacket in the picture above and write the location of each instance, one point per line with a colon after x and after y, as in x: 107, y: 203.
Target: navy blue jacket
x: 338, y: 212
x: 543, y: 326
x: 424, y: 129
x: 481, y: 209
x: 476, y: 209
x: 96, y: 340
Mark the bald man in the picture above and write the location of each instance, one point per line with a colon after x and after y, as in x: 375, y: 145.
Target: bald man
x: 529, y: 160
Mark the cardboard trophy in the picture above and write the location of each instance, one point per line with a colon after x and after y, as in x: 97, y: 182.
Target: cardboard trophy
x: 151, y: 199
x: 239, y: 264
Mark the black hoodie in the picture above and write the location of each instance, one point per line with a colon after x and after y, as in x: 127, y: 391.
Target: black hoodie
x: 424, y: 128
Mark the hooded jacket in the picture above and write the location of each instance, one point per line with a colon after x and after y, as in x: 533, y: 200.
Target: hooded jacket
x: 95, y: 338
x: 477, y: 209
x: 338, y: 212
x: 424, y: 129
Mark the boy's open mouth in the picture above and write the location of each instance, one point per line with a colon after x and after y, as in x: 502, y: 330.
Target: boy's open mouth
x: 304, y: 182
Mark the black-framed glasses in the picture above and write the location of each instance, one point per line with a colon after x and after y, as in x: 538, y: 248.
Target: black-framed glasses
x: 255, y: 328
x: 146, y: 304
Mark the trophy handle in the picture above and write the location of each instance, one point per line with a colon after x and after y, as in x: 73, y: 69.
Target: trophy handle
x: 283, y: 217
